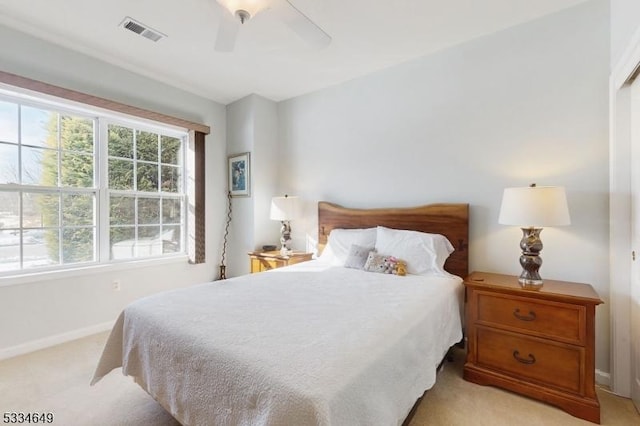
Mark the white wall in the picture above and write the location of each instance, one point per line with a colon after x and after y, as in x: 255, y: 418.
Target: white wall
x: 46, y: 309
x: 528, y: 104
x: 268, y: 168
x: 252, y: 126
x: 624, y: 24
x: 240, y: 131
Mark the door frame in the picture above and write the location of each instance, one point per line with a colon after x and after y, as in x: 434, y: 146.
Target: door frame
x: 620, y: 245
x: 635, y: 240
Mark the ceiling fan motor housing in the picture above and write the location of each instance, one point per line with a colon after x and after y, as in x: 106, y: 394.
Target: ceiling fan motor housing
x: 243, y: 15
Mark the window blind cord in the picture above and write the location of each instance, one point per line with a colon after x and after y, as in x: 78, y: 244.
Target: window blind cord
x: 223, y: 267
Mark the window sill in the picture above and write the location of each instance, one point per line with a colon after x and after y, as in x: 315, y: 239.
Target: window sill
x: 10, y: 280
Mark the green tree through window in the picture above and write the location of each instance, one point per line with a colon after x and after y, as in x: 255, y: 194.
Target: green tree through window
x: 69, y: 163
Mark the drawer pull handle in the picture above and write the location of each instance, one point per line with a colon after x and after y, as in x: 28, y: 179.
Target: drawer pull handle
x: 529, y: 360
x: 530, y: 317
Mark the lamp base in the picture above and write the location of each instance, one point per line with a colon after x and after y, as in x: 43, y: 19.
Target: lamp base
x: 284, y: 252
x: 529, y: 283
x: 285, y: 239
x: 530, y: 260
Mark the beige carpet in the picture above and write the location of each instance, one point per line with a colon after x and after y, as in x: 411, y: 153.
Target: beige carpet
x: 57, y: 380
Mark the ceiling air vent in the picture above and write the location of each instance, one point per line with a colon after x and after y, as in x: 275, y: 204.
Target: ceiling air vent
x: 141, y: 29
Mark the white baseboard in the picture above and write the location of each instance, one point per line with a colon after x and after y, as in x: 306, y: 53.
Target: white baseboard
x: 603, y: 378
x: 35, y: 345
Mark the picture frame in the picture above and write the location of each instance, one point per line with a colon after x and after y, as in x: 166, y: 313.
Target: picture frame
x: 239, y: 172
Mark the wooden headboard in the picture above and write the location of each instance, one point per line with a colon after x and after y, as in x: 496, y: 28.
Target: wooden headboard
x: 450, y: 220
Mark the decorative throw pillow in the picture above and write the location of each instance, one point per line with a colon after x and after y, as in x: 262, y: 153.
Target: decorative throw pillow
x: 384, y: 264
x: 357, y: 256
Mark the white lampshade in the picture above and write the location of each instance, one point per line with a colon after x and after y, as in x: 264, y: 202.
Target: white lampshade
x: 534, y: 206
x: 284, y: 208
x: 253, y: 7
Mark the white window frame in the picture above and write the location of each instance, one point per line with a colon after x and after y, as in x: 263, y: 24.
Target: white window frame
x: 101, y: 118
x: 105, y: 191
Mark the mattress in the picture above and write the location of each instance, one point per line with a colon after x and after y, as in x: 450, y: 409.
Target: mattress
x: 307, y: 344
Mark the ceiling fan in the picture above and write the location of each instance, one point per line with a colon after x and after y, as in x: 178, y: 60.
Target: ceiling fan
x: 238, y: 12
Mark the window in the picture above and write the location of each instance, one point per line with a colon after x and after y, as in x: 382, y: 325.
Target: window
x: 81, y: 187
x: 145, y: 193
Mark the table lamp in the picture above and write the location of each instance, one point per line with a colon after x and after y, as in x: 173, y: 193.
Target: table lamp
x: 531, y: 208
x: 284, y: 209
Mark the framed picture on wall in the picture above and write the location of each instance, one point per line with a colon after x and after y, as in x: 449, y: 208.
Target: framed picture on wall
x: 240, y: 175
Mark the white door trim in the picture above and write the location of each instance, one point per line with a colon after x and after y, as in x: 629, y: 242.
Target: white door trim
x: 620, y: 216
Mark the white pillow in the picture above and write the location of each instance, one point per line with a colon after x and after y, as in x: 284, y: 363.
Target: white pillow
x: 340, y: 240
x: 424, y: 253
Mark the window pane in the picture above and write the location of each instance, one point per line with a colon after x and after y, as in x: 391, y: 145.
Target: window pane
x: 148, y: 210
x: 170, y: 179
x: 147, y: 146
x: 50, y: 168
x: 149, y: 242
x: 52, y: 242
x: 9, y: 209
x: 77, y: 170
x: 9, y: 250
x: 40, y: 247
x: 171, y: 242
x: 8, y: 122
x: 40, y: 209
x: 171, y: 211
x: 8, y: 163
x: 120, y: 141
x: 122, y: 210
x: 147, y: 177
x: 120, y: 174
x: 76, y: 134
x: 123, y: 242
x: 170, y: 150
x: 39, y: 127
x: 77, y: 245
x: 39, y: 166
x: 77, y: 209
x: 148, y: 232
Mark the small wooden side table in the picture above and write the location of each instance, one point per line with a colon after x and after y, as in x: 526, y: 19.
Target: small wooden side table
x: 536, y: 343
x: 266, y: 260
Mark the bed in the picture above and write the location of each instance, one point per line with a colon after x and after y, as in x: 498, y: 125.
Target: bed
x: 311, y: 344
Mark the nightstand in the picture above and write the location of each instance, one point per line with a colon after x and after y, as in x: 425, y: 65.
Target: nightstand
x: 263, y: 261
x: 539, y: 343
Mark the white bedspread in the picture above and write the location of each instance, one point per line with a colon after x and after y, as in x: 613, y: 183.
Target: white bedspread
x: 304, y: 345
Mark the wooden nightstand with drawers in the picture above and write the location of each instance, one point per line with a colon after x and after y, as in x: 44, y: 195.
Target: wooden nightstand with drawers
x: 539, y: 343
x: 263, y: 261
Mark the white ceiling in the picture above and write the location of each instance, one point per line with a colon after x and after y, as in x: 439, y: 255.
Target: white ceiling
x: 269, y: 58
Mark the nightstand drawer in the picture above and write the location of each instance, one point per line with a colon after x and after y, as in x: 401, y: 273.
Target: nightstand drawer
x: 550, y: 364
x: 563, y: 321
x: 261, y: 265
x: 264, y: 261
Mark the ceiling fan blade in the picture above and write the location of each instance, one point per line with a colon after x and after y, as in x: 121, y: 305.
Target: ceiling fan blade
x: 303, y: 26
x: 227, y: 32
